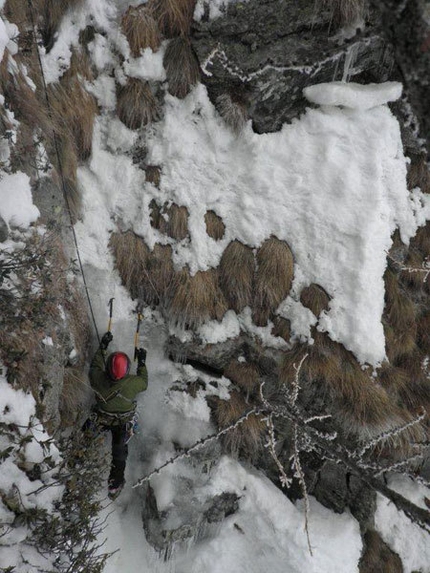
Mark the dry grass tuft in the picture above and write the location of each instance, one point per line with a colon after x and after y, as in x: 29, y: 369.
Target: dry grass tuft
x: 74, y: 396
x: 315, y: 299
x: 234, y: 113
x: 140, y: 29
x: 170, y: 219
x: 52, y: 12
x: 409, y: 388
x: 400, y: 315
x: 244, y: 374
x: 418, y: 173
x: 421, y: 241
x: 275, y: 269
x: 282, y: 328
x: 159, y: 276
x: 80, y: 67
x: 377, y: 556
x: 247, y: 438
x: 215, y: 227
x: 146, y: 274
x: 362, y: 404
x: 73, y: 110
x: 411, y: 278
x: 174, y: 17
x: 423, y: 332
x: 398, y: 319
x: 182, y: 67
x: 347, y: 12
x: 195, y: 299
x: 136, y: 105
x: 23, y: 101
x: 153, y: 175
x: 17, y: 12
x: 237, y: 271
x: 131, y: 259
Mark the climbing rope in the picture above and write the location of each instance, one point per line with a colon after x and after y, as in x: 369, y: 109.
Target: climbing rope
x: 61, y: 172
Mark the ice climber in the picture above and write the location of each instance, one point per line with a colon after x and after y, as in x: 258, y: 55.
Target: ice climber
x: 116, y: 390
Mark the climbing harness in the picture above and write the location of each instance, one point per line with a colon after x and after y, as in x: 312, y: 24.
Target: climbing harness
x: 132, y: 428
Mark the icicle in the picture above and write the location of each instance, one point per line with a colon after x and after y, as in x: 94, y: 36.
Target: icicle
x: 350, y: 57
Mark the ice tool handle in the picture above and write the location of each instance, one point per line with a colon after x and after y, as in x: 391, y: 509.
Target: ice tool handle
x: 110, y: 305
x: 136, y: 334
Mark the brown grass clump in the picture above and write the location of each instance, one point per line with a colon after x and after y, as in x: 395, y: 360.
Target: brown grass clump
x: 52, y: 12
x: 377, y: 556
x: 354, y: 394
x: 346, y: 12
x: 174, y: 17
x: 170, y: 219
x: 140, y: 29
x: 215, y: 227
x: 153, y: 175
x: 23, y: 101
x: 412, y: 277
x: 80, y: 67
x: 74, y: 396
x: 398, y: 319
x: 409, y: 387
x: 136, y: 105
x: 423, y: 332
x: 159, y: 276
x: 131, y: 259
x: 182, y: 67
x: 237, y: 271
x: 315, y: 299
x: 401, y: 315
x: 234, y: 113
x: 275, y: 268
x: 195, y: 299
x: 418, y: 173
x: 244, y: 374
x: 247, y: 438
x: 421, y: 241
x: 146, y: 274
x: 398, y: 344
x: 74, y: 110
x: 282, y: 328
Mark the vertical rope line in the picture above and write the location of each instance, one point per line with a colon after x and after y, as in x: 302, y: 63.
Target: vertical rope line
x: 61, y: 173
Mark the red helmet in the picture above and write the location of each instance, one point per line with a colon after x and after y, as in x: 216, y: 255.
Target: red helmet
x: 118, y: 365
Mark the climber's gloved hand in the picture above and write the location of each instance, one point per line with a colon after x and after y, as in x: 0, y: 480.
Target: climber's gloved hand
x: 141, y: 356
x: 106, y: 339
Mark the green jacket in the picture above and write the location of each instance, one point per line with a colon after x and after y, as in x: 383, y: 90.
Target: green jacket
x: 111, y: 396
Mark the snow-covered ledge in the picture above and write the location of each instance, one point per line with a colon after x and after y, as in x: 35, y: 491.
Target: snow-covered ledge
x: 353, y: 95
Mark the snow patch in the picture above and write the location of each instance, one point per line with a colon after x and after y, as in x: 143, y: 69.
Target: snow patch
x: 407, y: 539
x: 353, y: 95
x: 16, y: 203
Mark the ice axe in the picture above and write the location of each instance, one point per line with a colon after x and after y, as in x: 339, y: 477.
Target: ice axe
x: 136, y: 334
x: 110, y: 305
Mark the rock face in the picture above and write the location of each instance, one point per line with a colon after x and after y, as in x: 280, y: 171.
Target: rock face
x: 4, y: 231
x: 408, y: 26
x: 265, y: 52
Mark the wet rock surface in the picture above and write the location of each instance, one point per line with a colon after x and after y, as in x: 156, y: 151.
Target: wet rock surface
x: 265, y: 52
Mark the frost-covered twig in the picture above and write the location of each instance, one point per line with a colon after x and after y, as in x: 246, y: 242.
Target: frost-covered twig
x: 271, y: 443
x: 389, y: 434
x: 198, y: 445
x: 424, y: 268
